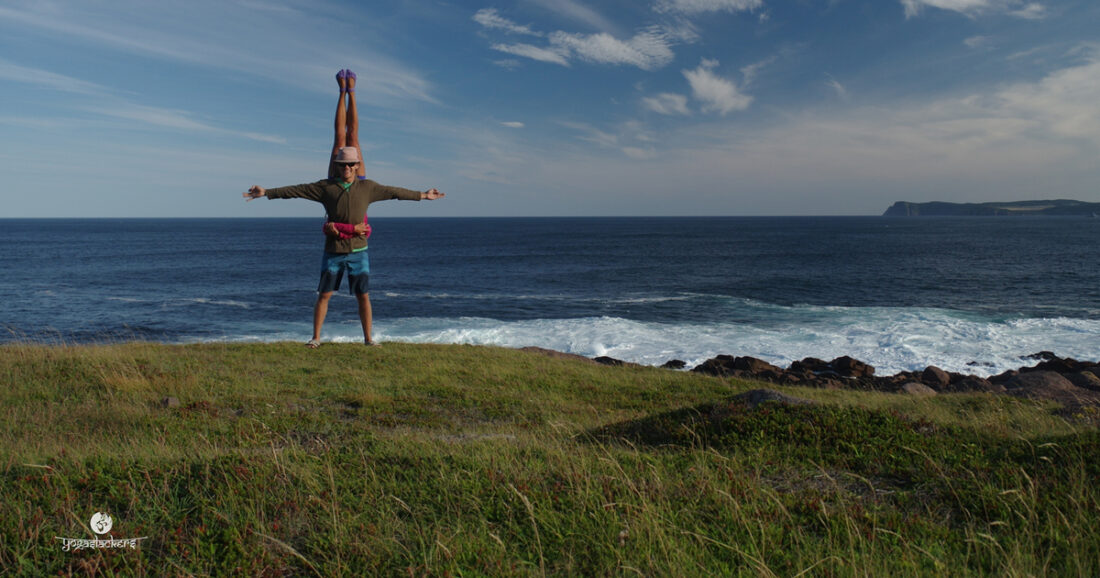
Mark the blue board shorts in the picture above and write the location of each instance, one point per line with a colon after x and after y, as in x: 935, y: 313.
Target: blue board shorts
x: 333, y: 266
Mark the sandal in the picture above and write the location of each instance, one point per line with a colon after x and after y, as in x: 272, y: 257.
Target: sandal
x: 351, y: 78
x: 313, y: 343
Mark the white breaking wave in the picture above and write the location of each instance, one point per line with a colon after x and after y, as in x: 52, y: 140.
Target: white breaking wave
x: 891, y: 339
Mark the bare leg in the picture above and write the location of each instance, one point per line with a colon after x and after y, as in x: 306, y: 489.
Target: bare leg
x: 320, y: 310
x: 353, y: 125
x: 365, y: 315
x: 339, y: 129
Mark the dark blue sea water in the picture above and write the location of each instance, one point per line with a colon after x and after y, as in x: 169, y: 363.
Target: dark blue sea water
x: 966, y: 294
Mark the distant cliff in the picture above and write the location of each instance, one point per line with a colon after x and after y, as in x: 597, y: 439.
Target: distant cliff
x: 1058, y: 207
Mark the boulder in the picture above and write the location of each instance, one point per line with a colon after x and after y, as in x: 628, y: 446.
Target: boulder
x: 935, y: 377
x: 917, y: 389
x: 726, y: 365
x: 674, y: 364
x: 973, y: 383
x: 1057, y: 365
x: 811, y: 364
x: 1049, y: 385
x: 848, y: 367
x: 1085, y: 379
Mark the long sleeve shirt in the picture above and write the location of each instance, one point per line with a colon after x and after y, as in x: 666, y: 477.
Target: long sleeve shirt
x: 344, y: 206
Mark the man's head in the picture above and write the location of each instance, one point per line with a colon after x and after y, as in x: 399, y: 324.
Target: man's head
x: 347, y: 164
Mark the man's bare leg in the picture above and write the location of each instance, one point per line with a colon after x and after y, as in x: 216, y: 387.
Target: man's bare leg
x: 320, y: 310
x: 365, y: 316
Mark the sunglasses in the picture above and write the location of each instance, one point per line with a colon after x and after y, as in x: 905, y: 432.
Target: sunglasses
x: 348, y: 165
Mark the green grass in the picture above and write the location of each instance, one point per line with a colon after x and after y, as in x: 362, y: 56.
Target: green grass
x: 458, y: 460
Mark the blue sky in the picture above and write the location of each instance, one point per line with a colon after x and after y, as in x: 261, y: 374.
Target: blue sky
x: 550, y: 107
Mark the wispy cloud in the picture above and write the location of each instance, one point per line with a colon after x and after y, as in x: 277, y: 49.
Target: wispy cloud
x: 491, y: 19
x: 46, y: 79
x: 550, y: 55
x: 254, y: 39
x: 667, y: 103
x: 577, y: 12
x: 692, y: 7
x: 648, y: 49
x: 174, y: 119
x: 837, y: 88
x: 1017, y: 8
x: 717, y: 94
x: 512, y: 124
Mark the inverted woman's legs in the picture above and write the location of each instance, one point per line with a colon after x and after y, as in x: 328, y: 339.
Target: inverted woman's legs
x: 340, y: 124
x: 353, y: 123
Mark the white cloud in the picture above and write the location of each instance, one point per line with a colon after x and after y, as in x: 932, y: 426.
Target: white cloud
x: 513, y: 124
x: 1017, y: 8
x: 647, y: 50
x: 490, y: 18
x: 53, y: 81
x: 592, y: 134
x: 702, y: 6
x: 1032, y: 11
x: 173, y: 119
x: 837, y: 87
x: 717, y: 94
x: 667, y: 103
x: 977, y: 41
x: 255, y: 40
x: 750, y: 71
x: 578, y: 12
x: 551, y: 55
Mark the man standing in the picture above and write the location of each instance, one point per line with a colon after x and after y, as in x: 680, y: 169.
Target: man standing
x: 345, y: 199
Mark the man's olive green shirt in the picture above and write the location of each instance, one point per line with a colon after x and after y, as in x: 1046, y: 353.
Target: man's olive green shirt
x: 344, y: 206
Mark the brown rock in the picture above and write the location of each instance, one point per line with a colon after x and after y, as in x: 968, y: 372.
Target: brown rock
x: 973, y: 383
x: 726, y: 365
x: 848, y: 367
x: 935, y: 377
x: 1049, y: 385
x: 917, y: 389
x: 1086, y: 379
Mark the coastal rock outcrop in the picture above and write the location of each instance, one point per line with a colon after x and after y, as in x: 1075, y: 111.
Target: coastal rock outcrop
x: 1064, y: 380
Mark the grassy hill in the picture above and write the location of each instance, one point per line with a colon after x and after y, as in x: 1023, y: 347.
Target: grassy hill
x: 444, y: 460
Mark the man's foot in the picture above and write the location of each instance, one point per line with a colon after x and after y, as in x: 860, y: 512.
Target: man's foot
x: 371, y: 343
x: 313, y: 343
x: 341, y: 79
x: 350, y: 79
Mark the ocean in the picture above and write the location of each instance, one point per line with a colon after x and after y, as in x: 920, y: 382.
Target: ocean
x: 973, y: 295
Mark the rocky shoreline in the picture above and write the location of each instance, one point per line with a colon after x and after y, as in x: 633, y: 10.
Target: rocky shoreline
x: 1075, y: 384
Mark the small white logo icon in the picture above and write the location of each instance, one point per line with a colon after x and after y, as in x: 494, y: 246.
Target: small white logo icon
x: 101, y: 523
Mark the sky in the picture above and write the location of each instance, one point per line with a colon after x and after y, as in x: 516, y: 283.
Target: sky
x: 118, y: 108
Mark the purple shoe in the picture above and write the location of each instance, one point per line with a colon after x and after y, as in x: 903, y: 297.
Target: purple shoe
x: 350, y: 76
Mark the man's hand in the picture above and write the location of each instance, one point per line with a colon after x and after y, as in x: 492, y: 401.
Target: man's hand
x: 362, y: 229
x: 431, y: 195
x: 254, y: 193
